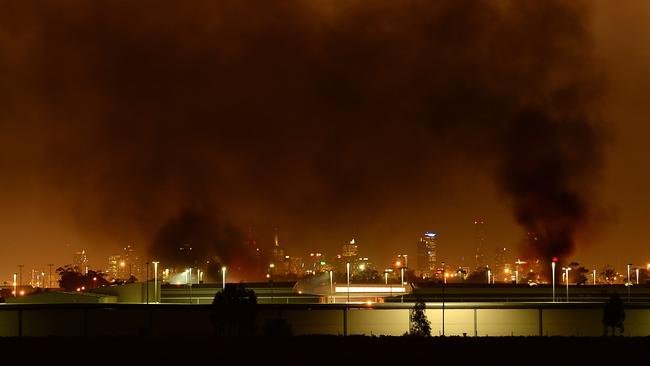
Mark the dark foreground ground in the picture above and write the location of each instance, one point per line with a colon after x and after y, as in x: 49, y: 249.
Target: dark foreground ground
x: 336, y: 350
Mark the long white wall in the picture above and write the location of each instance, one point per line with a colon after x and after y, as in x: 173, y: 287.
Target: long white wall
x: 195, y: 320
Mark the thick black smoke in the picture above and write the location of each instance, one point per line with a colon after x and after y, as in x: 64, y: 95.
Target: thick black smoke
x: 197, y: 239
x: 319, y: 115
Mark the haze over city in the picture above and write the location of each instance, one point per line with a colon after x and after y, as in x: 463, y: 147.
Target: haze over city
x: 161, y: 124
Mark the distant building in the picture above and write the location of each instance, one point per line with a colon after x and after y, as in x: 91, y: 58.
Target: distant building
x: 500, y: 260
x: 426, y: 255
x: 278, y: 253
x: 480, y: 239
x: 80, y: 260
x: 115, y: 267
x: 350, y: 250
x: 132, y: 265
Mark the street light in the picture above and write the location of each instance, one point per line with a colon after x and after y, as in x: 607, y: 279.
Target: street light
x: 15, y: 284
x: 594, y: 276
x: 331, y: 285
x: 553, y: 275
x: 637, y: 275
x: 155, y: 281
x: 189, y: 271
x: 147, y: 282
x: 223, y: 277
x: 489, y: 274
x: 628, y: 284
x: 444, y: 281
x: 347, y: 266
x: 566, y: 278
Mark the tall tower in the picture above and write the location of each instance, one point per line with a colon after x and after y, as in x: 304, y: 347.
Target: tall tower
x: 132, y: 262
x: 350, y: 250
x: 278, y: 253
x: 426, y: 254
x: 479, y: 241
x: 80, y: 261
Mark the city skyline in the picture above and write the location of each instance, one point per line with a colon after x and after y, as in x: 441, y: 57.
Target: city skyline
x: 328, y: 125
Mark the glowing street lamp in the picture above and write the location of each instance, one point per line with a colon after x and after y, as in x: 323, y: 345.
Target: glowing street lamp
x: 566, y: 279
x: 155, y: 281
x: 347, y: 266
x: 444, y: 281
x: 331, y: 283
x: 637, y: 275
x: 628, y: 284
x: 489, y: 275
x: 189, y: 281
x: 15, y: 284
x: 594, y: 276
x: 554, y: 260
x: 223, y: 277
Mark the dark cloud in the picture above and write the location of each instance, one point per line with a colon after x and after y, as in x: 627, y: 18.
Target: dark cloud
x: 307, y: 113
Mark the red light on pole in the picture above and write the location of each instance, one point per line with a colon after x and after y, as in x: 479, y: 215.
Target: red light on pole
x: 555, y: 259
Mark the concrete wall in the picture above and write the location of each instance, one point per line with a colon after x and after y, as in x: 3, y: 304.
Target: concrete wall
x: 481, y: 320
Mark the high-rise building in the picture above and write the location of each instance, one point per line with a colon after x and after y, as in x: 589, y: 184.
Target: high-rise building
x: 278, y: 253
x: 132, y: 265
x: 116, y: 267
x: 80, y: 260
x: 426, y: 254
x: 479, y: 241
x: 350, y: 250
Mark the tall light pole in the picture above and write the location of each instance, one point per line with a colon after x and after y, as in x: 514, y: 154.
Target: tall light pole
x: 146, y: 282
x: 386, y: 278
x: 566, y: 279
x: 189, y: 270
x: 444, y: 281
x: 489, y: 274
x: 402, y: 272
x: 637, y: 275
x: 223, y: 277
x: 347, y: 266
x: 15, y: 284
x: 331, y: 285
x: 594, y: 276
x: 553, y: 275
x: 155, y: 281
x: 628, y: 284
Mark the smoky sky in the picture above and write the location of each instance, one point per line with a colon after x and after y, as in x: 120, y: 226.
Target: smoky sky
x: 319, y: 115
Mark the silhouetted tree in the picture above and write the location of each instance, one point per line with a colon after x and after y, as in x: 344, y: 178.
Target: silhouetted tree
x: 71, y: 279
x: 234, y: 310
x: 579, y: 273
x: 477, y: 276
x: 608, y: 274
x: 613, y: 314
x: 419, y: 324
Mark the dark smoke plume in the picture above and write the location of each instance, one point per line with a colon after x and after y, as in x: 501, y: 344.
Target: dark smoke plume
x: 197, y: 239
x: 318, y: 116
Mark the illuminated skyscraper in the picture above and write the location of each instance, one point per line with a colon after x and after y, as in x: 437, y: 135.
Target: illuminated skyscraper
x: 426, y: 253
x: 350, y: 250
x: 278, y: 253
x: 479, y: 238
x: 132, y: 262
x: 114, y: 270
x: 80, y: 261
